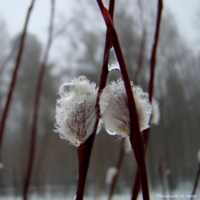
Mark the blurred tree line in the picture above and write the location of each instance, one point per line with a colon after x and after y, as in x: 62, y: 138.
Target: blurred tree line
x: 175, y: 139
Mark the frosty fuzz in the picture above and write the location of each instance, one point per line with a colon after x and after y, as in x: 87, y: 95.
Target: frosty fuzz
x: 75, y: 110
x: 76, y: 113
x: 115, y: 110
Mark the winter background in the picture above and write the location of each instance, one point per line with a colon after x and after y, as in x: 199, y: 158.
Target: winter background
x: 77, y: 50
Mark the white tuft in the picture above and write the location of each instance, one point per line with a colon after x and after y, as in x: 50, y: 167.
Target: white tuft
x: 75, y: 110
x: 155, y: 118
x: 127, y: 145
x: 198, y: 156
x: 115, y: 111
x: 111, y: 172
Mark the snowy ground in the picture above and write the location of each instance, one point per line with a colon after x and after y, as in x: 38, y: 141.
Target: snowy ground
x: 183, y: 193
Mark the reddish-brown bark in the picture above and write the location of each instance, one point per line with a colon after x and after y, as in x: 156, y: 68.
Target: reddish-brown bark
x: 136, y: 187
x: 36, y: 106
x: 84, y: 151
x: 14, y: 76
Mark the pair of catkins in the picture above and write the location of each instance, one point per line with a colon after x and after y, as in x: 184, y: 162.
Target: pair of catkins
x: 76, y: 112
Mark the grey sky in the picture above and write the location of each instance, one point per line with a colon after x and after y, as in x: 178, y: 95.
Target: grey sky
x: 14, y: 11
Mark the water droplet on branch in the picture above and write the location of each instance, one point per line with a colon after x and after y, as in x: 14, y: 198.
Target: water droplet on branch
x: 113, y: 66
x: 112, y: 62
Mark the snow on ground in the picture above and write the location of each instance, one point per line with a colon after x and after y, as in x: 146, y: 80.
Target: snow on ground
x: 183, y: 193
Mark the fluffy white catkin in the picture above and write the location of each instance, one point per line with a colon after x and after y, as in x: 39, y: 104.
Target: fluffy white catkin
x: 115, y: 110
x: 75, y: 110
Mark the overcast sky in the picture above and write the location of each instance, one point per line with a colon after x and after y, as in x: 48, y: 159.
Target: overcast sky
x: 14, y: 11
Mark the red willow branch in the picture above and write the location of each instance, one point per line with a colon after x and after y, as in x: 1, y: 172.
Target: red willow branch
x: 14, y: 77
x: 135, y: 137
x: 135, y: 80
x: 37, y: 103
x: 136, y: 187
x: 196, y: 183
x: 84, y: 151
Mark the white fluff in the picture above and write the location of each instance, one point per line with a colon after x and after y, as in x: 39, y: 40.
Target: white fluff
x: 155, y: 118
x: 75, y: 110
x: 111, y: 172
x: 115, y: 111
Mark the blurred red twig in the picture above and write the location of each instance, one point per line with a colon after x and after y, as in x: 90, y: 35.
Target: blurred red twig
x: 136, y: 187
x: 135, y: 81
x: 84, y: 151
x: 196, y: 182
x: 135, y: 137
x: 36, y: 104
x: 17, y: 65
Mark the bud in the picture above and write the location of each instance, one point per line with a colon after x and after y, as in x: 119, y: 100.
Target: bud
x: 75, y: 110
x: 115, y: 110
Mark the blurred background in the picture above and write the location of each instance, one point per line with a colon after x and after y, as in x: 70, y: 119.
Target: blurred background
x: 77, y: 49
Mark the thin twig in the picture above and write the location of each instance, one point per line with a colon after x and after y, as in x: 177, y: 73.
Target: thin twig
x: 135, y: 80
x: 84, y: 151
x: 196, y: 183
x: 14, y: 77
x: 136, y: 187
x: 135, y: 136
x: 37, y: 103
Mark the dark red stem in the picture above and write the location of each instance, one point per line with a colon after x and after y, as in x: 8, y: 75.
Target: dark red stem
x: 36, y: 106
x: 135, y: 137
x: 154, y: 49
x: 14, y: 77
x: 84, y: 151
x: 135, y: 80
x: 195, y: 183
x: 136, y: 187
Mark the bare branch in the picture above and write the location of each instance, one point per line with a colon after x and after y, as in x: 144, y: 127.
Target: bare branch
x: 37, y: 104
x: 14, y: 77
x: 136, y: 187
x: 135, y: 137
x: 84, y: 151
